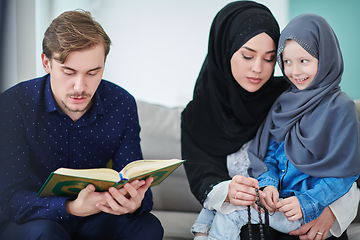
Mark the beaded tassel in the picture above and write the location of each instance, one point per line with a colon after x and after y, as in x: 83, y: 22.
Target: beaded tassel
x: 249, y: 223
x: 260, y: 222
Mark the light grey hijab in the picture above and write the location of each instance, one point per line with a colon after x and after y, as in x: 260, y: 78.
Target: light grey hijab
x: 319, y: 124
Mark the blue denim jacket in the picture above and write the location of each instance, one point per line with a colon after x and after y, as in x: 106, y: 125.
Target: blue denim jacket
x: 314, y: 194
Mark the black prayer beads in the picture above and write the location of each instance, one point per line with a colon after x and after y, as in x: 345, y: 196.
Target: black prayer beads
x: 259, y: 206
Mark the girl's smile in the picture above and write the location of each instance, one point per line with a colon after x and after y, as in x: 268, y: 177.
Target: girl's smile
x: 299, y: 65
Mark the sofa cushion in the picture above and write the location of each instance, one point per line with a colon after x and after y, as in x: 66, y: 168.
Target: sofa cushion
x: 353, y: 231
x: 160, y: 139
x: 160, y: 131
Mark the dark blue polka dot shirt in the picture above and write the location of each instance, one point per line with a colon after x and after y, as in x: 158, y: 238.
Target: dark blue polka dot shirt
x: 36, y: 138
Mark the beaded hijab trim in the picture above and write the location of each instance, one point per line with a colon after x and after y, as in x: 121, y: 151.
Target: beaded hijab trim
x: 303, y: 44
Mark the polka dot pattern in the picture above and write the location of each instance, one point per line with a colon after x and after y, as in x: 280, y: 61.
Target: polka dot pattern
x: 36, y: 138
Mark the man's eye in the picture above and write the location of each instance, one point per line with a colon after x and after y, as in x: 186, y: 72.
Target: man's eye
x: 68, y: 72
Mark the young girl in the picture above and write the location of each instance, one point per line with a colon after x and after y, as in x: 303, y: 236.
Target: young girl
x: 313, y: 135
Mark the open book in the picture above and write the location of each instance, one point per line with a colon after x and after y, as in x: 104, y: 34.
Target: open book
x: 69, y: 182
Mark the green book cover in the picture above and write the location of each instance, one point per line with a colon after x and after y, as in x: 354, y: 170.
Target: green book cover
x: 69, y: 182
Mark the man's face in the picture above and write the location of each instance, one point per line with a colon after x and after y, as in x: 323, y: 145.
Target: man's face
x: 74, y: 82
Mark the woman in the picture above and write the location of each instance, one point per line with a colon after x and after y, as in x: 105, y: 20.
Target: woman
x: 233, y: 94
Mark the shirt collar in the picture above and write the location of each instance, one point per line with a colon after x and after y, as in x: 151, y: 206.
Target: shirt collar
x: 50, y: 103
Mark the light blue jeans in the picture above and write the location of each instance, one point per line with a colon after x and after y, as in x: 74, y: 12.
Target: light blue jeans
x: 228, y: 226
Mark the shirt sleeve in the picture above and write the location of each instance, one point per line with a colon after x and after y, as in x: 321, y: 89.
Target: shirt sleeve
x: 271, y: 176
x: 216, y: 199
x: 330, y: 190
x: 130, y: 150
x: 129, y: 146
x: 203, y: 170
x: 18, y: 200
x: 217, y: 196
x: 345, y: 210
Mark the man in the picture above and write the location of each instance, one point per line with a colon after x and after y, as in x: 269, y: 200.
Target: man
x: 71, y: 118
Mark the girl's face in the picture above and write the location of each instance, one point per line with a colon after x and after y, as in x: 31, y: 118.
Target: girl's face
x: 253, y: 64
x: 299, y: 65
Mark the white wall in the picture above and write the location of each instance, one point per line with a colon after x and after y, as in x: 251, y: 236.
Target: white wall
x: 158, y: 46
x: 8, y: 62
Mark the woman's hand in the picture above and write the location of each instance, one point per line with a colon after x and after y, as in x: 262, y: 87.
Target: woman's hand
x: 242, y: 191
x: 320, y: 225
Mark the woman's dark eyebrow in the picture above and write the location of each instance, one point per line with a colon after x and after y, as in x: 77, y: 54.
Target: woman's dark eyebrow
x: 252, y: 50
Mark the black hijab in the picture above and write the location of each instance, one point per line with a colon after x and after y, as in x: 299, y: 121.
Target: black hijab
x: 222, y: 115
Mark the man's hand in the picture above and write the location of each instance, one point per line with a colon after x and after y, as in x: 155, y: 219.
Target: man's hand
x: 322, y: 225
x: 290, y: 207
x: 85, y: 204
x: 271, y: 198
x: 127, y: 199
x: 242, y: 191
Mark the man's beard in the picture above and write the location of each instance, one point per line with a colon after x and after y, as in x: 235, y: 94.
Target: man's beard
x: 77, y: 110
x: 78, y: 95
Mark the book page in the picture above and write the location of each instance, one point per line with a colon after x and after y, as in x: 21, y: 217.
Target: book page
x: 141, y: 167
x: 106, y: 174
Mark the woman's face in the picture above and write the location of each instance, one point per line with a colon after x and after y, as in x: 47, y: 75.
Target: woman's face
x: 253, y: 64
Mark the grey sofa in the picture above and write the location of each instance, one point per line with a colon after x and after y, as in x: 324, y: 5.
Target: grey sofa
x: 174, y: 204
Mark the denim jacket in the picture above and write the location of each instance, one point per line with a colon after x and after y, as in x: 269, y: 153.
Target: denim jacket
x: 313, y: 193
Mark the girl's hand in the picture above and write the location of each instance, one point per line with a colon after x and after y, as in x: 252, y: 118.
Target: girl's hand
x: 290, y: 207
x: 271, y: 198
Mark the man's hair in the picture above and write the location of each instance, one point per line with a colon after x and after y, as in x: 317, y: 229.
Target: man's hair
x: 73, y: 31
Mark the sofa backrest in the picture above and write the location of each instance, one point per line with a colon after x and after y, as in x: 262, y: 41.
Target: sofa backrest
x: 357, y: 103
